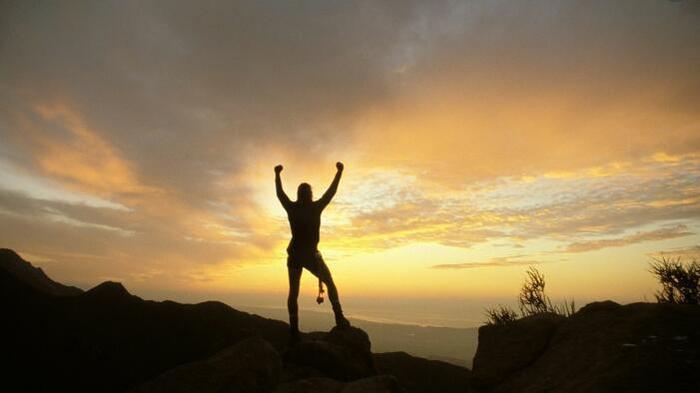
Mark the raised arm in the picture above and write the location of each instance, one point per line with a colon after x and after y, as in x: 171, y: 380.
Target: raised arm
x: 284, y: 199
x: 330, y: 192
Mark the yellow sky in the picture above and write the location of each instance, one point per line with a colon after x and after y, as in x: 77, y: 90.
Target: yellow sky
x: 479, y: 139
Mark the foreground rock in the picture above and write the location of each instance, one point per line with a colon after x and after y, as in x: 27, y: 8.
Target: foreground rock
x: 506, y: 349
x: 337, y: 361
x: 343, y: 354
x: 605, y: 347
x: 250, y: 366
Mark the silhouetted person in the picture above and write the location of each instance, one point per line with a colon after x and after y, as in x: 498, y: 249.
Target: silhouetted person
x: 305, y: 221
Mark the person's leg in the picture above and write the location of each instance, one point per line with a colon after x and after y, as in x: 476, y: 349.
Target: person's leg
x: 321, y: 271
x: 292, y: 304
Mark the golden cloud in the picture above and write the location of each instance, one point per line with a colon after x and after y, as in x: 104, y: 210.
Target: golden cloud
x: 658, y: 234
x: 80, y: 155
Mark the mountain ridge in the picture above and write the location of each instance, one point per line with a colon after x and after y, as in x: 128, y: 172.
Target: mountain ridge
x: 35, y: 277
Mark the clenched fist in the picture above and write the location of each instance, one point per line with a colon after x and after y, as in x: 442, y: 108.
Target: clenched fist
x: 339, y: 165
x: 278, y: 169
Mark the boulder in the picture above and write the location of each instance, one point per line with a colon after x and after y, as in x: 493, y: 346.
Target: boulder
x: 343, y: 354
x: 508, y: 348
x: 250, y: 366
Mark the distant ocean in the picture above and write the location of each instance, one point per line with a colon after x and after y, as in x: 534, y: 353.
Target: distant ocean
x: 439, y: 312
x: 427, y: 311
x: 456, y: 313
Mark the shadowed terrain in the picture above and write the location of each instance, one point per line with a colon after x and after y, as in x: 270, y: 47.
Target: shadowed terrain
x: 108, y: 340
x: 62, y: 339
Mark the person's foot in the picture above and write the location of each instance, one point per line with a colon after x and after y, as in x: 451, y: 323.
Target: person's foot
x: 341, y: 321
x: 294, y: 336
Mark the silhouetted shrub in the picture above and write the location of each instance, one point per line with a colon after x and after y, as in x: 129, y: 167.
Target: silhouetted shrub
x: 532, y: 299
x: 566, y: 309
x: 500, y: 315
x: 680, y: 282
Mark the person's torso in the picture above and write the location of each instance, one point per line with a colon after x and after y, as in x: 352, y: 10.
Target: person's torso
x: 305, y: 223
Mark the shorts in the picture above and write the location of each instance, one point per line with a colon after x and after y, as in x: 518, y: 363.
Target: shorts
x: 311, y: 260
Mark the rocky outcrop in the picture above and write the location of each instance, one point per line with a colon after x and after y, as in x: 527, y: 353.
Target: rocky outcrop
x: 506, y: 349
x: 604, y: 347
x: 343, y: 354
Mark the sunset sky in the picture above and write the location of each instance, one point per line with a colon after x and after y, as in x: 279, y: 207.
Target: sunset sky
x: 138, y: 140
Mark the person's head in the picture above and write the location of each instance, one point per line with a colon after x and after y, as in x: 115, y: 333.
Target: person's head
x: 304, y: 193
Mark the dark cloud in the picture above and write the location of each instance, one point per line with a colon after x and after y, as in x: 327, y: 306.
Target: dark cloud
x: 187, y: 92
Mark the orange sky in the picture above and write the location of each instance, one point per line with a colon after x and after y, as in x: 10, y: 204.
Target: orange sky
x: 137, y: 142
